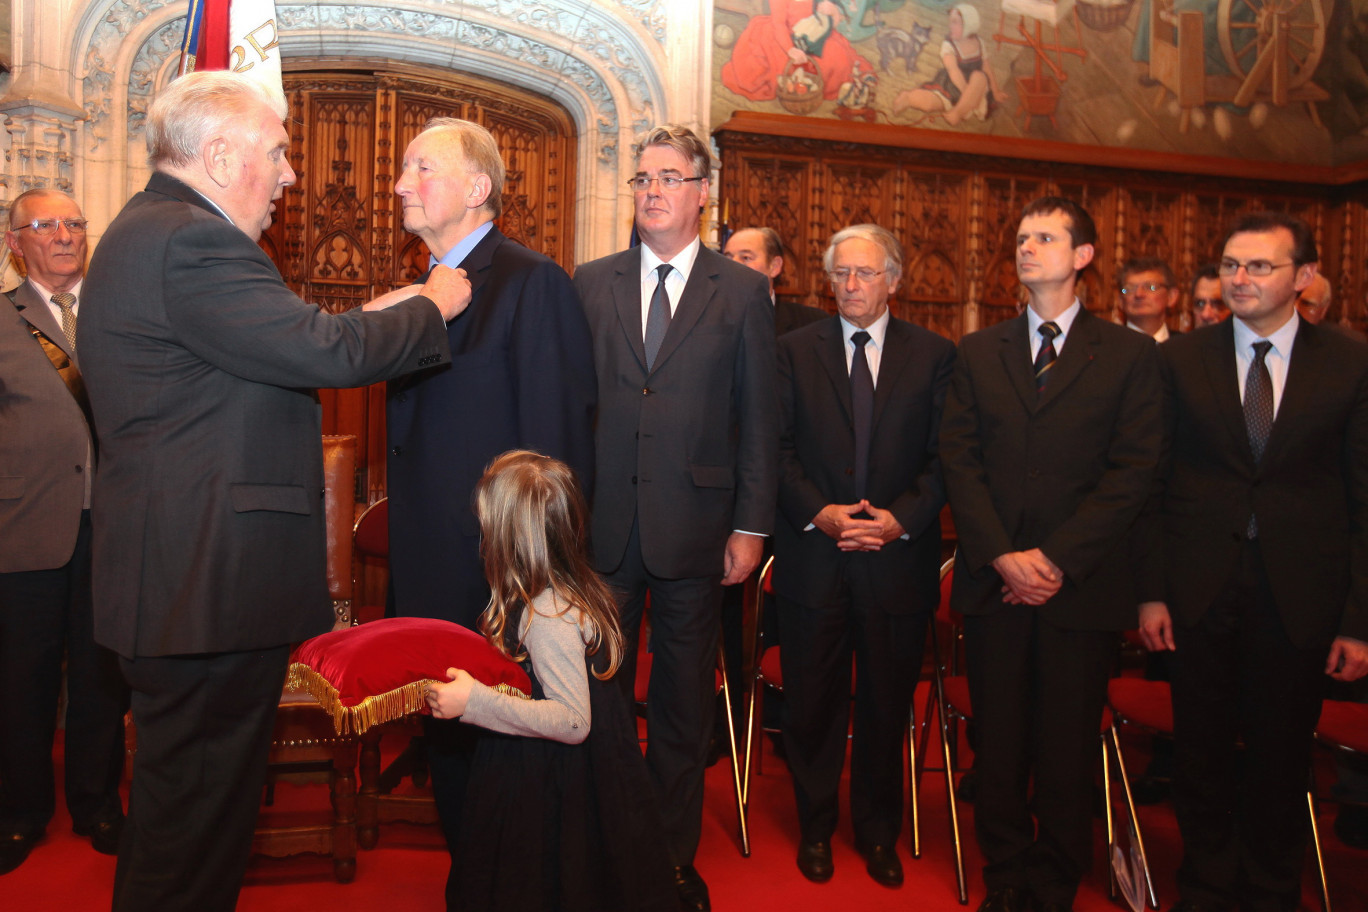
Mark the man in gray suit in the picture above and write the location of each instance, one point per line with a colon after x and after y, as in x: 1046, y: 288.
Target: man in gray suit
x: 46, y: 456
x: 208, y: 524
x: 686, y: 457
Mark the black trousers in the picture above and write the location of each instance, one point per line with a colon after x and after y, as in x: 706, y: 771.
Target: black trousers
x: 46, y: 615
x: 685, y: 620
x: 820, y: 643
x: 1037, y: 692
x: 1238, y: 677
x: 204, y: 731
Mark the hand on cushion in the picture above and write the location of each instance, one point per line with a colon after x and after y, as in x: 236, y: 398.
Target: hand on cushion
x: 448, y: 701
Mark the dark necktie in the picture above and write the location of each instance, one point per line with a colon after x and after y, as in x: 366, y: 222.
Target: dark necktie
x: 65, y: 300
x: 1258, y: 410
x: 1045, y: 358
x: 658, y: 317
x: 862, y: 404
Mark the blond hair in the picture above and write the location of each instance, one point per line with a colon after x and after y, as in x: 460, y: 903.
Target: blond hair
x: 533, y: 529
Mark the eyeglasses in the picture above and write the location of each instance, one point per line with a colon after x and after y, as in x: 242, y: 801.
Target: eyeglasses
x: 641, y: 183
x: 1256, y: 268
x: 1204, y: 303
x: 1152, y: 287
x: 842, y: 276
x: 44, y: 227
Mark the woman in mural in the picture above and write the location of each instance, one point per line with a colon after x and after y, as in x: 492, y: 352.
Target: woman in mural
x: 966, y: 86
x: 796, y: 33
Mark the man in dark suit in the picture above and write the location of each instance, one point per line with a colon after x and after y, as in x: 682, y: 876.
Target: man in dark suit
x: 1049, y: 445
x: 857, y: 545
x: 208, y: 519
x: 47, y: 455
x: 521, y: 377
x: 686, y: 450
x: 1260, y: 578
x: 762, y: 249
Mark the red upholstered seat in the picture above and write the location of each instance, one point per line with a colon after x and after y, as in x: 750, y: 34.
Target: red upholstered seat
x: 1344, y: 724
x: 1148, y: 704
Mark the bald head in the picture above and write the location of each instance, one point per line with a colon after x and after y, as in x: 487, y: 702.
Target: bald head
x: 1314, y: 301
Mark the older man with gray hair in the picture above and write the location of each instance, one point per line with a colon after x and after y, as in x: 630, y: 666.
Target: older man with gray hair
x: 856, y: 545
x: 208, y: 521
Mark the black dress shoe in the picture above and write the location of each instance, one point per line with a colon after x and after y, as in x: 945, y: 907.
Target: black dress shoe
x: 14, y: 848
x: 1006, y: 899
x: 882, y: 863
x: 104, y: 834
x: 692, y: 891
x: 814, y: 860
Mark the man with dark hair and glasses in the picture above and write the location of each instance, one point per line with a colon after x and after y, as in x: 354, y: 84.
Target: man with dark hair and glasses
x: 47, y: 454
x: 1049, y: 444
x: 1147, y: 290
x: 686, y: 463
x: 1257, y: 576
x: 1208, y: 307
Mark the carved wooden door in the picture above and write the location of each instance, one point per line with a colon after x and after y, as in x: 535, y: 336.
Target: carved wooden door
x: 338, y: 237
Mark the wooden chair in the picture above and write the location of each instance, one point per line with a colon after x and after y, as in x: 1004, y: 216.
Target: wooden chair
x: 376, y: 802
x: 305, y: 746
x: 1343, y: 727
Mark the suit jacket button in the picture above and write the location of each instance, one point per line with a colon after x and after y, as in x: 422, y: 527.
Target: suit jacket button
x: 397, y: 451
x: 1033, y: 473
x: 849, y: 471
x: 633, y: 479
x: 646, y: 391
x: 80, y: 469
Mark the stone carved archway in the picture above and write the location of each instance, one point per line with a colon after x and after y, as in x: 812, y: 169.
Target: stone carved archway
x: 602, y: 62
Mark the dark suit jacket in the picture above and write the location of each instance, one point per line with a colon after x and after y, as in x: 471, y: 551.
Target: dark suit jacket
x: 1310, y: 491
x: 200, y: 363
x: 790, y: 315
x: 521, y: 376
x: 44, y: 439
x: 1067, y: 472
x: 817, y: 452
x: 691, y: 447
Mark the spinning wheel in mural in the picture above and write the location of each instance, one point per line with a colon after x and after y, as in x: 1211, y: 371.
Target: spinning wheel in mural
x: 1272, y: 45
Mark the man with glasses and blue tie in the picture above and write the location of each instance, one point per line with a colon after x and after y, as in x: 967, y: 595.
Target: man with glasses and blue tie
x: 47, y: 453
x: 1049, y: 445
x: 1258, y: 572
x: 687, y: 453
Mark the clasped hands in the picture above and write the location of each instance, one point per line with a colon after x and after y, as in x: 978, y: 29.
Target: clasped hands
x: 854, y: 532
x: 1028, y: 577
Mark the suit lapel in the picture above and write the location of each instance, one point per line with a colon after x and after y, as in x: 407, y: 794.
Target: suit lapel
x: 698, y: 292
x: 1219, y: 361
x: 1304, y: 377
x: 1016, y: 360
x: 477, y: 262
x: 892, y: 361
x: 829, y: 350
x: 1079, y: 350
x: 35, y: 311
x: 626, y: 290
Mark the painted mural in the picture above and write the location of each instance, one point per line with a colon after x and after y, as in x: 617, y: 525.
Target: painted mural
x: 1259, y: 79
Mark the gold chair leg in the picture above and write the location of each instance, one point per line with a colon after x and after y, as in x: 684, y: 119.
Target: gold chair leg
x: 1320, y: 857
x: 1111, y: 824
x: 912, y: 777
x: 735, y: 757
x: 950, y: 787
x: 1151, y: 896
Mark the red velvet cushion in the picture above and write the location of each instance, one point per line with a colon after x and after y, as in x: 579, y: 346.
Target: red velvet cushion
x: 1140, y: 702
x: 379, y: 671
x: 1344, y: 724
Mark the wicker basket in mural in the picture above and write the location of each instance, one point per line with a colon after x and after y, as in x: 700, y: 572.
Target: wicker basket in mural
x: 1103, y: 15
x: 799, y: 89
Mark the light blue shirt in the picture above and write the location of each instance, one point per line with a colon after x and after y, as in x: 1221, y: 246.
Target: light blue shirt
x: 456, y: 255
x: 1064, y: 321
x: 1277, y: 359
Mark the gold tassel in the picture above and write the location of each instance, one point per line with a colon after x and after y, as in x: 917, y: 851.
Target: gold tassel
x: 373, y: 710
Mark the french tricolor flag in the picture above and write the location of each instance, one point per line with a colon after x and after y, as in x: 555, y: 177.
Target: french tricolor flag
x: 237, y: 35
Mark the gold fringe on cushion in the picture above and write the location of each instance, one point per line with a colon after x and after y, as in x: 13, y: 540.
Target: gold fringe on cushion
x: 373, y: 710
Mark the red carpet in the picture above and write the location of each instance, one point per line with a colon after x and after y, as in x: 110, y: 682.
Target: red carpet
x: 407, y: 870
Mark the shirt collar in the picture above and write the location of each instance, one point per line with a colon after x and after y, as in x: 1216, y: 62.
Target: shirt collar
x: 47, y: 293
x: 456, y: 255
x: 1063, y: 321
x: 683, y: 261
x: 877, y: 330
x: 1282, y: 337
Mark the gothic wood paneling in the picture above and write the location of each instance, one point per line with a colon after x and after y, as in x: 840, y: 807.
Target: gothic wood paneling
x: 956, y: 206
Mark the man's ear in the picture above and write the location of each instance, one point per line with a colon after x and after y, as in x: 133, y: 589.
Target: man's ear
x: 776, y: 266
x: 1305, y: 273
x: 219, y: 160
x: 12, y: 242
x: 1083, y: 255
x: 480, y: 188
